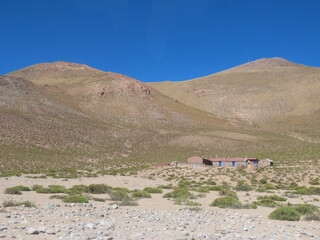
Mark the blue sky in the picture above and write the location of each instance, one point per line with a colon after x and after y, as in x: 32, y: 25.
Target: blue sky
x: 158, y: 40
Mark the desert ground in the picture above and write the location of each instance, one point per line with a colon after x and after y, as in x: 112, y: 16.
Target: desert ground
x: 154, y: 216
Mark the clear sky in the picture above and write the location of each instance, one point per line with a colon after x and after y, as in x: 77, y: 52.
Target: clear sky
x: 158, y: 40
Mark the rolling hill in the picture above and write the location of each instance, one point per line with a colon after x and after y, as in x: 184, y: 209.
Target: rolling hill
x: 272, y: 94
x: 67, y: 115
x: 72, y: 115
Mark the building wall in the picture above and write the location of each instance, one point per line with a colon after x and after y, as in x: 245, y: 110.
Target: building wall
x: 239, y: 164
x: 229, y: 164
x: 195, y: 160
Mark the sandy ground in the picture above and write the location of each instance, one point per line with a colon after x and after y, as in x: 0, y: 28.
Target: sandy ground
x: 147, y: 207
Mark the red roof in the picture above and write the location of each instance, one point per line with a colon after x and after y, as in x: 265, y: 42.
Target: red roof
x: 232, y: 159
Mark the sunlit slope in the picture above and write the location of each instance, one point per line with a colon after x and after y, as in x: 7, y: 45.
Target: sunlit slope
x: 272, y: 93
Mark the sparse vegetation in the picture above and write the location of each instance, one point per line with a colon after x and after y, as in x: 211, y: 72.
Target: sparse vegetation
x: 11, y: 203
x: 285, y: 214
x: 75, y: 199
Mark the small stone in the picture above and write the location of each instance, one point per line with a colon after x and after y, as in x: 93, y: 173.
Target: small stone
x: 115, y: 206
x: 50, y: 231
x: 33, y: 231
x: 90, y: 225
x: 42, y: 229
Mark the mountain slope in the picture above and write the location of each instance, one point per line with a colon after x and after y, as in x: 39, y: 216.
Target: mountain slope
x: 114, y: 97
x: 266, y: 92
x: 73, y: 115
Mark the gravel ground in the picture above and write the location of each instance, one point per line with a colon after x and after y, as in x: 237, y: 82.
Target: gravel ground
x: 96, y: 221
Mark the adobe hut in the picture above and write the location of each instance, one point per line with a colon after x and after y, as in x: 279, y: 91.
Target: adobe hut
x: 198, y: 161
x: 265, y: 163
x: 233, y: 162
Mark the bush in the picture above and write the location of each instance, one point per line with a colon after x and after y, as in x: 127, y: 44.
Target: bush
x: 52, y: 189
x: 267, y: 202
x: 224, y: 202
x: 15, y: 204
x: 273, y: 198
x: 16, y: 190
x: 228, y: 193
x: 98, y: 199
x: 166, y: 186
x: 13, y: 190
x: 141, y: 194
x: 242, y: 186
x: 99, y: 188
x: 178, y: 193
x: 36, y: 187
x: 122, y: 198
x: 58, y: 196
x: 75, y: 199
x: 118, y: 195
x: 215, y: 188
x: 153, y: 190
x: 304, y: 209
x: 203, y: 190
x: 78, y: 189
x: 285, y: 214
x: 187, y: 202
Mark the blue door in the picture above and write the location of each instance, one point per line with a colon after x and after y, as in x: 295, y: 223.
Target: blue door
x: 233, y: 164
x: 220, y: 164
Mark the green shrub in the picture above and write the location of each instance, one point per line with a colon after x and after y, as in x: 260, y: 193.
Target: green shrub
x: 99, y: 188
x: 187, y: 202
x: 304, y: 209
x: 98, y: 199
x: 215, y: 188
x: 16, y: 190
x: 153, y: 190
x: 273, y: 198
x: 228, y: 193
x: 118, y: 195
x: 75, y: 199
x: 263, y: 181
x: 267, y: 202
x: 165, y: 186
x: 36, y: 187
x: 242, y: 186
x: 13, y: 190
x: 285, y: 214
x: 78, y: 189
x: 225, y: 202
x: 141, y: 194
x: 203, y: 190
x: 178, y: 193
x: 122, y: 197
x: 15, y: 204
x: 52, y: 189
x: 211, y: 182
x: 58, y: 196
x: 23, y: 188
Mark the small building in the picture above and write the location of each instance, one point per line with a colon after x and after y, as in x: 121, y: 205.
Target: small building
x: 265, y: 163
x: 233, y: 162
x: 223, y: 162
x: 195, y: 160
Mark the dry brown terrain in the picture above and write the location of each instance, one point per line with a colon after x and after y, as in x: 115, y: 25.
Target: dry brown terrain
x: 64, y: 115
x: 272, y: 94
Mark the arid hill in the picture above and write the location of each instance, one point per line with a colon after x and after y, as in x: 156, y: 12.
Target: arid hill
x: 273, y: 94
x: 73, y: 115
